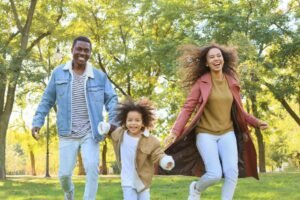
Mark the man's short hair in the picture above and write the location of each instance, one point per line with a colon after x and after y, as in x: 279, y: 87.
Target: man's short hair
x: 81, y: 38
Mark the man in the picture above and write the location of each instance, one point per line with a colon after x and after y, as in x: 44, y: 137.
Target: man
x: 80, y: 91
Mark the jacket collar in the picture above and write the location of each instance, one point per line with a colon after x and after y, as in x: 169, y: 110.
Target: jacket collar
x: 146, y: 133
x: 206, y: 78
x: 232, y: 81
x: 88, y: 69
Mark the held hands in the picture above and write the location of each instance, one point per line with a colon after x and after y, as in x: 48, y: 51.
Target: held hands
x: 169, y: 166
x: 167, y: 162
x: 35, y: 132
x: 103, y: 128
x: 170, y: 138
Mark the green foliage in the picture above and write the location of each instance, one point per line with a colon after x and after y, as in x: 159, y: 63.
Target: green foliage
x: 278, y: 150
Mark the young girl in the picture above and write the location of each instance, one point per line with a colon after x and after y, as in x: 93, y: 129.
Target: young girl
x: 218, y: 129
x: 136, y: 150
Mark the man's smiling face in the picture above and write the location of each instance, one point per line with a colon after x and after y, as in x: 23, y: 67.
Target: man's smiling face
x: 81, y: 53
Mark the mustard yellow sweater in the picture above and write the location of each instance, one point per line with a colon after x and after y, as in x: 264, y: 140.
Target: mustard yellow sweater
x: 216, y: 118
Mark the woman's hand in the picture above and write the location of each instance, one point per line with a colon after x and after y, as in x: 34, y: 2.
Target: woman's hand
x: 170, y: 138
x: 263, y: 125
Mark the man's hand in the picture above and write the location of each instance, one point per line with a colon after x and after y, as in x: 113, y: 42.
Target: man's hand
x: 35, y: 132
x: 103, y: 128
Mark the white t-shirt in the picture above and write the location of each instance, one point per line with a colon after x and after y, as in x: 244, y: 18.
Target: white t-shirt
x: 129, y: 176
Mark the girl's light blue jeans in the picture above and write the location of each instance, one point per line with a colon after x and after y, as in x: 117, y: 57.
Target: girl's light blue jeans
x: 130, y: 193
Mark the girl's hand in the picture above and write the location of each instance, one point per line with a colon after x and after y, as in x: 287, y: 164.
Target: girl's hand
x: 170, y: 165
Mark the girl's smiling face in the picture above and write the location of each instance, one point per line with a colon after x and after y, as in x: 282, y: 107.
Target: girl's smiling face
x: 134, y: 123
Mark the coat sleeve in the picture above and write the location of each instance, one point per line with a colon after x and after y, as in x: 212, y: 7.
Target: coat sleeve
x: 250, y: 119
x: 47, y: 102
x: 110, y: 101
x: 188, y: 108
x: 158, y: 152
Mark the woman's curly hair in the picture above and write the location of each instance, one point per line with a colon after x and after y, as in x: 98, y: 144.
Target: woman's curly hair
x: 192, y: 62
x: 143, y: 106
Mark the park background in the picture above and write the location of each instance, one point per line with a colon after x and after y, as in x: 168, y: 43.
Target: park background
x: 135, y: 43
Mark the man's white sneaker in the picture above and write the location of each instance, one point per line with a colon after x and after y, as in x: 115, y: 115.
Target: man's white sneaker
x: 69, y: 195
x: 194, y: 193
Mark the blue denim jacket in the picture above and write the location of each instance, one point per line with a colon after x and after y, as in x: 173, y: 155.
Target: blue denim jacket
x: 98, y: 91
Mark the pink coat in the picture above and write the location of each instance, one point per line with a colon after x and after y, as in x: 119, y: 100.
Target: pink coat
x: 184, y: 151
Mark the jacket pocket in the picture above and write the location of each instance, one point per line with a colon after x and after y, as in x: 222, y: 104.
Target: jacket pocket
x: 143, y: 154
x: 96, y: 93
x: 61, y: 87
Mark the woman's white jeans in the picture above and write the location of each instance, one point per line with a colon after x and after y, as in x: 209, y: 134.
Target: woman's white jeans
x: 68, y: 149
x: 130, y: 193
x: 220, y: 156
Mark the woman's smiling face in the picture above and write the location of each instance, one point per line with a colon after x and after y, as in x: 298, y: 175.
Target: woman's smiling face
x: 215, y: 60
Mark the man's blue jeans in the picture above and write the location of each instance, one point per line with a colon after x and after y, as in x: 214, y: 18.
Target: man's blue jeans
x: 68, y: 149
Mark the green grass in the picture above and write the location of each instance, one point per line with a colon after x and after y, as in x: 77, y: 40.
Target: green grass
x: 276, y: 186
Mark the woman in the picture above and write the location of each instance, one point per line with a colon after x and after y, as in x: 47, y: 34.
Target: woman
x: 216, y: 140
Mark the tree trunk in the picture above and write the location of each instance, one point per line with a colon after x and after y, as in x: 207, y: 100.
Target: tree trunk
x: 104, y: 163
x: 11, y: 76
x: 80, y: 165
x: 259, y: 136
x: 32, y: 162
x: 4, y: 120
x: 2, y: 149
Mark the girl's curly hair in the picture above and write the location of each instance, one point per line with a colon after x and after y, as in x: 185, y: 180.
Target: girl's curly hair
x: 143, y: 106
x: 192, y: 62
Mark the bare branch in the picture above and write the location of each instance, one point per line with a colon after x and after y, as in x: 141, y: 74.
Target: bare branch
x: 37, y: 40
x: 25, y: 32
x: 101, y: 65
x: 11, y: 37
x: 43, y: 35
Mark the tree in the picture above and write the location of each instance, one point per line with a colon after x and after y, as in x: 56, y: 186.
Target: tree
x: 278, y: 151
x: 29, y: 18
